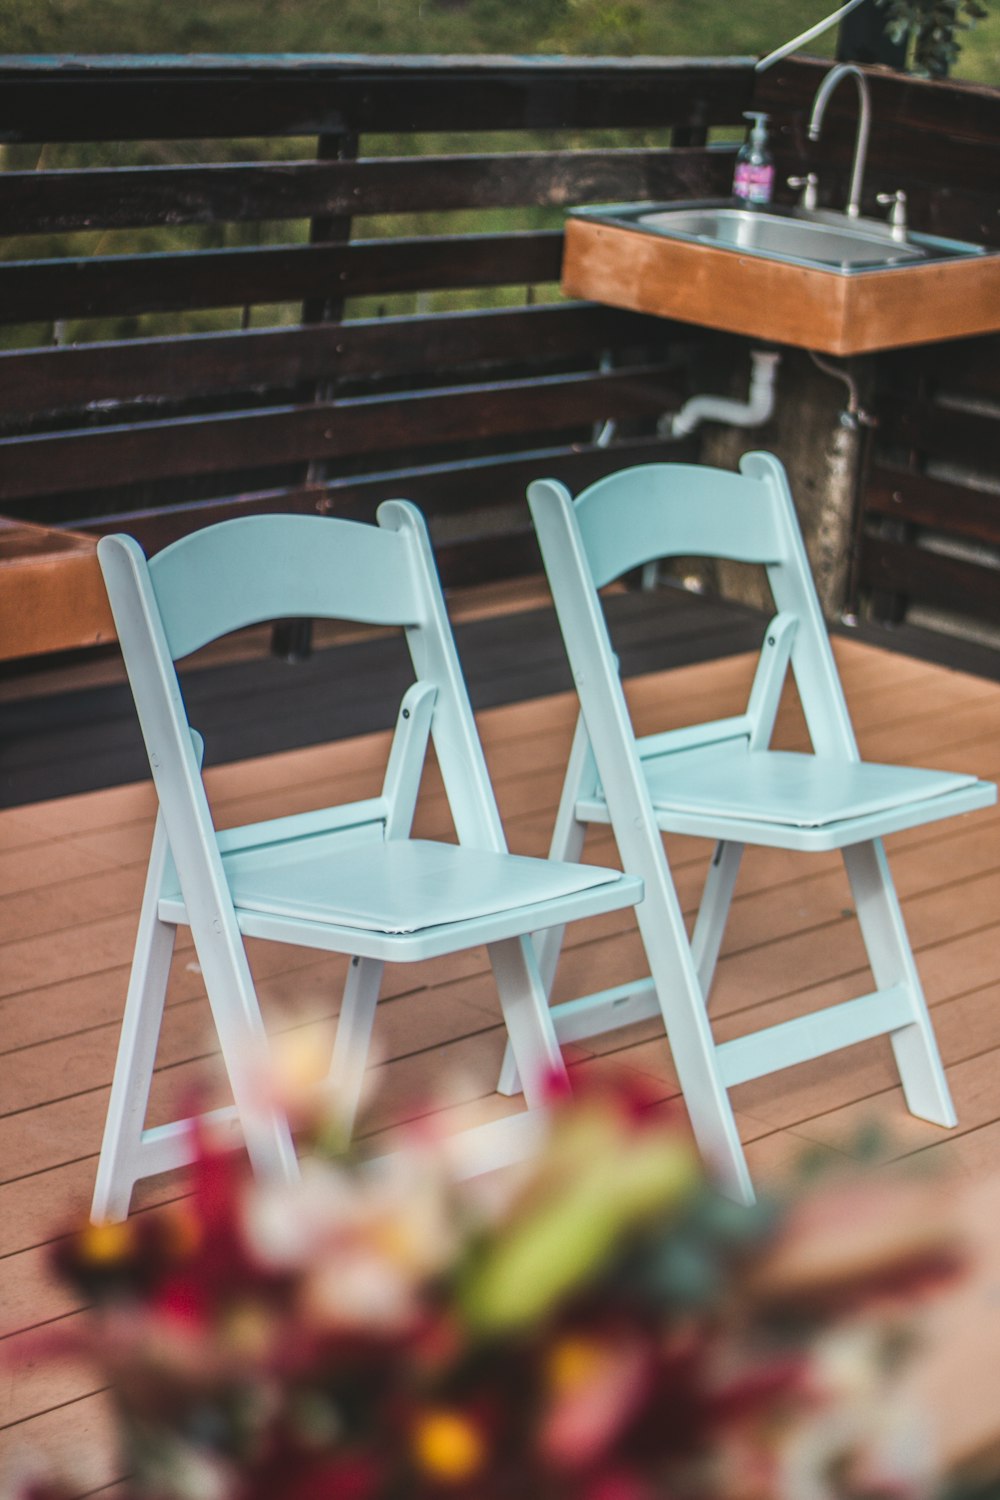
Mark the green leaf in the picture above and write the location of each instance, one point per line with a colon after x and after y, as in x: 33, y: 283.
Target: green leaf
x: 567, y: 1234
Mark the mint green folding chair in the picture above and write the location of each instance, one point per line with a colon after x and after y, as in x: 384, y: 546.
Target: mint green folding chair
x: 345, y: 879
x: 721, y: 781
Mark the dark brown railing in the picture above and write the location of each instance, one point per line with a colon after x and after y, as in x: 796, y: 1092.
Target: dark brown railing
x: 311, y: 283
x: 164, y: 433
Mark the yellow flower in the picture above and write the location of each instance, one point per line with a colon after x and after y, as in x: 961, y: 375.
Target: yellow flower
x: 573, y: 1362
x: 104, y: 1244
x: 448, y: 1446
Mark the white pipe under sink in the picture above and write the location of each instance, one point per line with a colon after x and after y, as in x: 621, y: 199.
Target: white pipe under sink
x: 750, y: 413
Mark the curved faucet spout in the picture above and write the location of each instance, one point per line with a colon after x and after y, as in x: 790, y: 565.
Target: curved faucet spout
x: 826, y: 88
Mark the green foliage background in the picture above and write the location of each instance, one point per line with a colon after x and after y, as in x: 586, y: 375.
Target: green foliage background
x: 672, y: 27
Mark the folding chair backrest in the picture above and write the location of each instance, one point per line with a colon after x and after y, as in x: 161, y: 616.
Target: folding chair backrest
x: 258, y: 568
x: 679, y: 510
x: 661, y: 510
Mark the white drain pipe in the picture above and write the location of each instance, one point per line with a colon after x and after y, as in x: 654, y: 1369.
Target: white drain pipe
x: 750, y: 413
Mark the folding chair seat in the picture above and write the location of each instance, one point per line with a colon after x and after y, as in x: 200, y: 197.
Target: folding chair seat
x: 721, y: 781
x: 345, y: 879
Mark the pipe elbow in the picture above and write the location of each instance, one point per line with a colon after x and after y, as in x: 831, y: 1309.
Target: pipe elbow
x: 753, y: 412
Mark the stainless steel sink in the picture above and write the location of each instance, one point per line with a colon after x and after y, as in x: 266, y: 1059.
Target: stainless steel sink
x: 804, y: 237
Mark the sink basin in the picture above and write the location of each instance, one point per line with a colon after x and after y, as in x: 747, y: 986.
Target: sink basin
x: 799, y: 236
x: 812, y: 278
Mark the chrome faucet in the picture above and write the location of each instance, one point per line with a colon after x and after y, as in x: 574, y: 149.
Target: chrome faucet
x: 826, y: 88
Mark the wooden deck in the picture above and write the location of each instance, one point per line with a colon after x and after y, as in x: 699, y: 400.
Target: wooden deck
x: 70, y: 877
x: 75, y: 729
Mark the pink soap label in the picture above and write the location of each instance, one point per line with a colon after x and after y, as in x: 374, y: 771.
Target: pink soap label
x: 754, y: 182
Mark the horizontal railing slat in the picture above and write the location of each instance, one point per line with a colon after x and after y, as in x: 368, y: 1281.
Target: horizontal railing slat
x: 123, y: 197
x: 101, y: 99
x: 967, y: 211
x: 439, y: 489
x: 275, y: 359
x: 125, y: 284
x: 931, y: 578
x: 938, y: 504
x: 969, y: 166
x: 968, y: 366
x: 72, y: 461
x: 968, y: 437
x: 923, y: 111
x: 487, y: 559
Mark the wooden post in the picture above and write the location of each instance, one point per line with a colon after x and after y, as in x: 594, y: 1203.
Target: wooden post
x: 292, y: 639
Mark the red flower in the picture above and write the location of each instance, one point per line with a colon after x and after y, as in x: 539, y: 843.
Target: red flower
x: 621, y: 1484
x: 355, y: 1475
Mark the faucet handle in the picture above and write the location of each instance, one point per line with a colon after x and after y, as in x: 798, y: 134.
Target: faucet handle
x: 809, y: 184
x: 897, y: 213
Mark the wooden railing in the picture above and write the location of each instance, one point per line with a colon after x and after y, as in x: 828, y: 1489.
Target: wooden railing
x: 242, y: 284
x: 340, y: 387
x: 929, y: 547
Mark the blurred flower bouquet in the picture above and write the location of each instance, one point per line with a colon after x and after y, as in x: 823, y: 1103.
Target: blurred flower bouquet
x: 610, y: 1329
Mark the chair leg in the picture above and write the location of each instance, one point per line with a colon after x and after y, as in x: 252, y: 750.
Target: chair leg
x: 354, y: 1029
x: 915, y: 1047
x: 547, y: 950
x: 525, y: 1007
x: 120, y: 1163
x: 243, y: 1042
x: 685, y: 1016
x: 509, y: 1082
x: 716, y: 899
x: 568, y: 836
x: 548, y: 946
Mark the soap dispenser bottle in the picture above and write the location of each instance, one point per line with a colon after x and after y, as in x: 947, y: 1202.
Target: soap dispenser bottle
x: 753, y: 179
